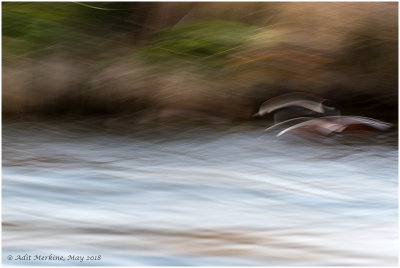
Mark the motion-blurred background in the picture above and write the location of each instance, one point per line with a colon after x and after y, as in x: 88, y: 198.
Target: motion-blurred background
x: 128, y: 134
x: 157, y: 60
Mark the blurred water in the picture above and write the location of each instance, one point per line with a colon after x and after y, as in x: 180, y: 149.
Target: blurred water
x: 220, y: 195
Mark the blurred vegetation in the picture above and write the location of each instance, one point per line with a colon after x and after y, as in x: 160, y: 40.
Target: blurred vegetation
x: 33, y: 29
x: 222, y: 59
x: 205, y: 42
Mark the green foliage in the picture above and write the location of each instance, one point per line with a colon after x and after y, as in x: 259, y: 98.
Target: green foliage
x: 91, y: 29
x: 207, y: 42
x: 32, y: 28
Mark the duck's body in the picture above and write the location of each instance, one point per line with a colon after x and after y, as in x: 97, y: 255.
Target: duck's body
x: 337, y: 124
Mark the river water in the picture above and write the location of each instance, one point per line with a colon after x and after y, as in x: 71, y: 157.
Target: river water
x: 195, y: 195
